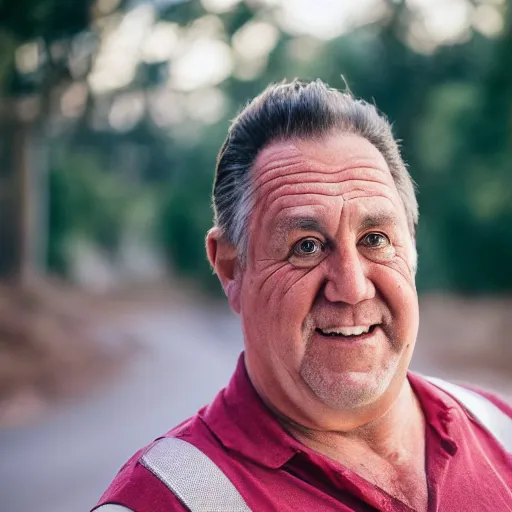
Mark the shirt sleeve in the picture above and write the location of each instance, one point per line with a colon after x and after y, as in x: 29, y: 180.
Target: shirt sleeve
x: 137, y: 489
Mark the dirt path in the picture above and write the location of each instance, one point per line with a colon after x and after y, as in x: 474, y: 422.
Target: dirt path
x: 63, y: 464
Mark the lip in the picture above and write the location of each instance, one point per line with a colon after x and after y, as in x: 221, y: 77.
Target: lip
x: 337, y: 326
x: 353, y: 340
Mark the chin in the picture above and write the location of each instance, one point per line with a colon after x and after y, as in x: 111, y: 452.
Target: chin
x: 348, y: 390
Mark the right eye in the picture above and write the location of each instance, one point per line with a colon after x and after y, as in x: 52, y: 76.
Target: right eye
x: 308, y: 247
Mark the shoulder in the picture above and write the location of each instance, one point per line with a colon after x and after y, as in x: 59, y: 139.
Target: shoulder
x: 493, y: 397
x: 421, y: 383
x: 486, y: 411
x: 139, y: 488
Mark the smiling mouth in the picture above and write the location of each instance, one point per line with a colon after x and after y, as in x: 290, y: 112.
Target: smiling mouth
x: 348, y: 333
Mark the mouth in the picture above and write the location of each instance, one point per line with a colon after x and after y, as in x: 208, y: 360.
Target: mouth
x: 354, y: 333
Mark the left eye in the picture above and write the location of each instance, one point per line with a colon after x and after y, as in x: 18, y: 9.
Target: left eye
x: 375, y: 240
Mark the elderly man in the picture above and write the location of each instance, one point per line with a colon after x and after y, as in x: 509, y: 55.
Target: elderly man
x: 314, y: 245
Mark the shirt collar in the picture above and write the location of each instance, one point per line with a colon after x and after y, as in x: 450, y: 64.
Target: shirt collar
x: 440, y: 410
x: 243, y: 423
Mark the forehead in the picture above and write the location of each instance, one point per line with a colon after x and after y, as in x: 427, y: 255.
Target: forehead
x: 329, y: 155
x: 323, y: 174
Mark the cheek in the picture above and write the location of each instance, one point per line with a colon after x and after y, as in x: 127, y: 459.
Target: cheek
x: 282, y: 291
x: 399, y: 294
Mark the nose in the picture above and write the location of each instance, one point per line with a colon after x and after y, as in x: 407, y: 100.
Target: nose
x: 346, y: 278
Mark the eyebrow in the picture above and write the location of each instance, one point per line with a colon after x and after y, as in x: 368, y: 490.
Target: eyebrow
x: 300, y: 223
x: 306, y: 223
x: 375, y: 220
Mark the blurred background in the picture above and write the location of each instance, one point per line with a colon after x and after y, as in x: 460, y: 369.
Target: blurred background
x: 112, y: 327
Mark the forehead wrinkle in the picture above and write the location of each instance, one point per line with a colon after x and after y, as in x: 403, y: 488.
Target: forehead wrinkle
x: 295, y: 175
x: 282, y: 155
x: 317, y: 178
x: 330, y: 189
x: 340, y: 175
x: 318, y: 210
x: 261, y: 183
x: 304, y: 206
x: 275, y: 157
x: 297, y: 147
x: 350, y: 163
x: 373, y: 196
x: 276, y: 167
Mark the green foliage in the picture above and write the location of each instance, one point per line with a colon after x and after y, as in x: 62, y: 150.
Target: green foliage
x: 186, y: 214
x: 452, y: 110
x: 45, y: 23
x: 184, y: 220
x: 86, y: 203
x: 47, y: 19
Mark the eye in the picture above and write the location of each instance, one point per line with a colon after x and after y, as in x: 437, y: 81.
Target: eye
x: 375, y: 240
x: 308, y: 247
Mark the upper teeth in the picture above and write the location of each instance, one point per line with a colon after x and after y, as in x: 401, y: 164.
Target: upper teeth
x: 347, y: 331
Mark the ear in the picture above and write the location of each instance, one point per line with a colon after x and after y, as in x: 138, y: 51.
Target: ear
x: 223, y: 258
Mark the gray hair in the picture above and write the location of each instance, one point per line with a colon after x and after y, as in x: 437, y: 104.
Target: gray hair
x: 289, y: 110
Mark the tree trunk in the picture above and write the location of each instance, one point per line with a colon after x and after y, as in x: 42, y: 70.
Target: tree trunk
x: 22, y: 188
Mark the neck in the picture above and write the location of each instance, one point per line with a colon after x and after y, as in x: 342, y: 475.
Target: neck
x: 390, y: 436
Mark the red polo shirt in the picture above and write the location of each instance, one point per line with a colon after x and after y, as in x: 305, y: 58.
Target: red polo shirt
x: 467, y: 470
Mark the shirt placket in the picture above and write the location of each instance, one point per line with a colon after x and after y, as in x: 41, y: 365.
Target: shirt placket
x: 440, y: 449
x: 342, y: 482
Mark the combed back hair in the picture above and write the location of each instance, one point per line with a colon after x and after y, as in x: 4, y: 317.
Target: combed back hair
x: 291, y: 110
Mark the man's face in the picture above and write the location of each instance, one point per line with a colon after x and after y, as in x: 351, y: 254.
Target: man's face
x: 327, y: 297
